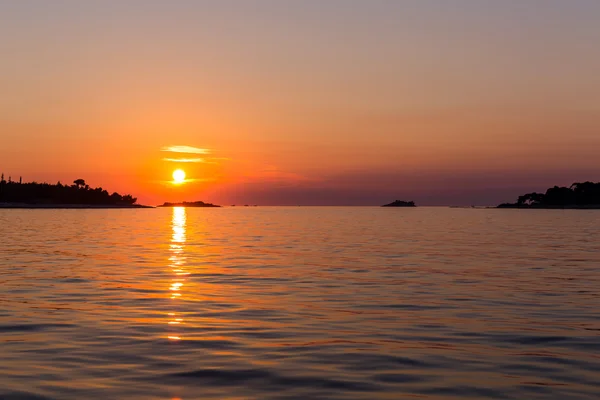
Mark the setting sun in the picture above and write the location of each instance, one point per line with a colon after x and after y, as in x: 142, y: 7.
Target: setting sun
x: 178, y: 176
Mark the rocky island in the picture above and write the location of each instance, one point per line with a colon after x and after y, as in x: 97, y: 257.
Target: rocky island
x: 584, y: 195
x: 44, y: 195
x: 189, y: 204
x: 400, y: 203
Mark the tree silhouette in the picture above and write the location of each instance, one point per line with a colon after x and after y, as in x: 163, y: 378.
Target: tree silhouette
x: 530, y: 199
x: 44, y: 193
x: 586, y: 194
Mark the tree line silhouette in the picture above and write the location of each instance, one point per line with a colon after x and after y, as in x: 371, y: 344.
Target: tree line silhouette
x: 579, y: 194
x: 44, y: 193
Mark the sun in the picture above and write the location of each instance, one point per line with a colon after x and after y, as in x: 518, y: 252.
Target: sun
x: 178, y: 176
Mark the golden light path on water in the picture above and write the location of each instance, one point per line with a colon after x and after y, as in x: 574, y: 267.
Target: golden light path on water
x: 177, y: 265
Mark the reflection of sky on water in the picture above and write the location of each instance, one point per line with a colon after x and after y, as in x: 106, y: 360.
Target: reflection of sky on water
x: 177, y: 265
x: 299, y: 303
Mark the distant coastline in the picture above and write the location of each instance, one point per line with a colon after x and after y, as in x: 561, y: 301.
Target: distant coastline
x: 400, y: 203
x: 189, y: 204
x: 79, y: 195
x: 548, y: 207
x: 70, y: 206
x: 19, y: 194
x: 579, y: 196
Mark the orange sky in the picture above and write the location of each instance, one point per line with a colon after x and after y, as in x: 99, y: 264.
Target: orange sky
x: 303, y: 103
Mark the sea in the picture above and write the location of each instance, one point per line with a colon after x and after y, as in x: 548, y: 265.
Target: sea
x: 299, y: 303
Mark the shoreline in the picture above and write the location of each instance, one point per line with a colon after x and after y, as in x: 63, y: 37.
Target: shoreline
x: 9, y: 206
x: 70, y: 206
x: 582, y: 207
x: 188, y: 206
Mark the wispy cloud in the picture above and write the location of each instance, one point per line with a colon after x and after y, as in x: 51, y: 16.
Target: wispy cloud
x: 190, y: 160
x: 200, y: 180
x: 190, y: 155
x: 189, y: 180
x: 185, y: 149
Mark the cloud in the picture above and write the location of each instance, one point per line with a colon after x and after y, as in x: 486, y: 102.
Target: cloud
x: 170, y: 183
x: 190, y: 160
x: 190, y: 151
x: 185, y: 149
x: 200, y: 180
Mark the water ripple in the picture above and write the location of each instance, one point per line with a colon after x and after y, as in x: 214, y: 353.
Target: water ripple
x: 297, y: 303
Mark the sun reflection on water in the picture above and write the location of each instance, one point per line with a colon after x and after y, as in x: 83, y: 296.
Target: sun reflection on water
x: 177, y: 264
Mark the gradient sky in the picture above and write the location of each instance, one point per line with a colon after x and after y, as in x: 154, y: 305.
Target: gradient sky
x: 303, y: 102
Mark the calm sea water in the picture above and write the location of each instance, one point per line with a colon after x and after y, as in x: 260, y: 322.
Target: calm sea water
x: 299, y: 303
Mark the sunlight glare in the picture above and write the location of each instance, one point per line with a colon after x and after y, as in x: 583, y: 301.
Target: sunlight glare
x: 178, y: 176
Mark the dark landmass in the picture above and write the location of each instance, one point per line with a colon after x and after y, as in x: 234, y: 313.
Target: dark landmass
x: 44, y: 195
x: 65, y: 206
x: 400, y: 203
x: 189, y: 204
x: 584, y: 195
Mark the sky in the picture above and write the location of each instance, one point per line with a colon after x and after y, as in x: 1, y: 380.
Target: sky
x: 337, y: 102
